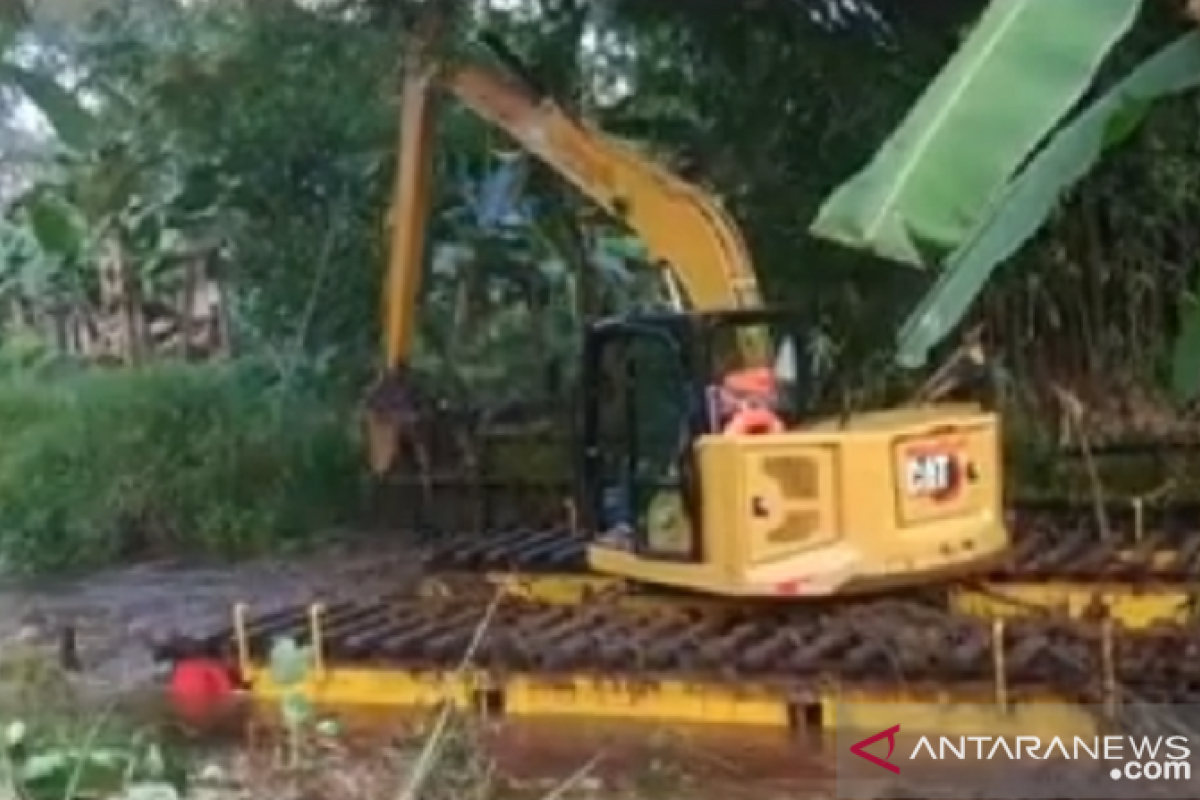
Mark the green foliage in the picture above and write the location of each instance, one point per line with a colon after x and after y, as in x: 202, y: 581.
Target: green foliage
x: 170, y: 458
x: 53, y: 770
x: 61, y: 107
x: 1023, y: 67
x: 274, y: 125
x: 1029, y: 201
x: 53, y: 749
x: 70, y: 120
x: 55, y: 746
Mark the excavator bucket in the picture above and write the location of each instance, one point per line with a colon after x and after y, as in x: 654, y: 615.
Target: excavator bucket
x: 393, y: 413
x: 382, y: 443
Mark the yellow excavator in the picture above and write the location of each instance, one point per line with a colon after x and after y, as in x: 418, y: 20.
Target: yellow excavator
x: 712, y: 499
x: 700, y: 469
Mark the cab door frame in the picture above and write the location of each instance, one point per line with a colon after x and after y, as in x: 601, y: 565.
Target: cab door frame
x: 677, y: 333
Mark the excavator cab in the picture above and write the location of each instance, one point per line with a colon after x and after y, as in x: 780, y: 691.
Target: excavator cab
x: 676, y: 496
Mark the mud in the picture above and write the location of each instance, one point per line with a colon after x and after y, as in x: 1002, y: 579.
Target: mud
x: 115, y: 613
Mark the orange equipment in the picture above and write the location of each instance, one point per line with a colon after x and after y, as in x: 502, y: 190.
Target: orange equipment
x: 201, y: 689
x: 746, y: 400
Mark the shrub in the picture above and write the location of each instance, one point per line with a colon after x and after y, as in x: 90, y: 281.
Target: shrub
x: 215, y: 458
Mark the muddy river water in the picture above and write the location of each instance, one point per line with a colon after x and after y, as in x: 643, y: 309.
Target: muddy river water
x: 115, y: 612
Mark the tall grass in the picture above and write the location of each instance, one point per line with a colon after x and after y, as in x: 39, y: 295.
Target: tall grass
x: 223, y: 458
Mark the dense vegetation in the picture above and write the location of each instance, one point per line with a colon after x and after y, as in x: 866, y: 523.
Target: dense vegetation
x: 258, y: 137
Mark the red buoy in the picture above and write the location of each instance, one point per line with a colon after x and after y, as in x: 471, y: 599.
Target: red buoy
x: 200, y: 689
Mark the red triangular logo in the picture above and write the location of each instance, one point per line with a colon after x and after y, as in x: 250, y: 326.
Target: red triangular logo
x: 859, y: 748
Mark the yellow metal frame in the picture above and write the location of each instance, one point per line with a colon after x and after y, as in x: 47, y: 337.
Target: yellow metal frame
x: 1127, y: 605
x: 1133, y: 606
x: 655, y: 699
x: 674, y: 701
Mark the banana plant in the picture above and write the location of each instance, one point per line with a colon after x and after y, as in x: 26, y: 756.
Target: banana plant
x: 1023, y: 67
x: 57, y: 233
x: 1031, y: 198
x: 922, y: 200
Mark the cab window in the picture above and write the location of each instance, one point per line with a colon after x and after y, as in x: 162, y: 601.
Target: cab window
x: 738, y: 347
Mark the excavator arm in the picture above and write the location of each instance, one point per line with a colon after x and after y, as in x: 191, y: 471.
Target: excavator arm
x: 682, y: 227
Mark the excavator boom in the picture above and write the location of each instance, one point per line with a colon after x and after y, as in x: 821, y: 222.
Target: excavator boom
x: 684, y: 228
x: 412, y: 196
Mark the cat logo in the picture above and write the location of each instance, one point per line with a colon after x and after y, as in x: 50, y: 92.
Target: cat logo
x: 934, y: 475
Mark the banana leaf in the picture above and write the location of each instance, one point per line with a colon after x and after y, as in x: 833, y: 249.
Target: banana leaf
x: 1022, y: 69
x: 71, y: 121
x: 54, y: 223
x: 1032, y: 197
x: 68, y: 117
